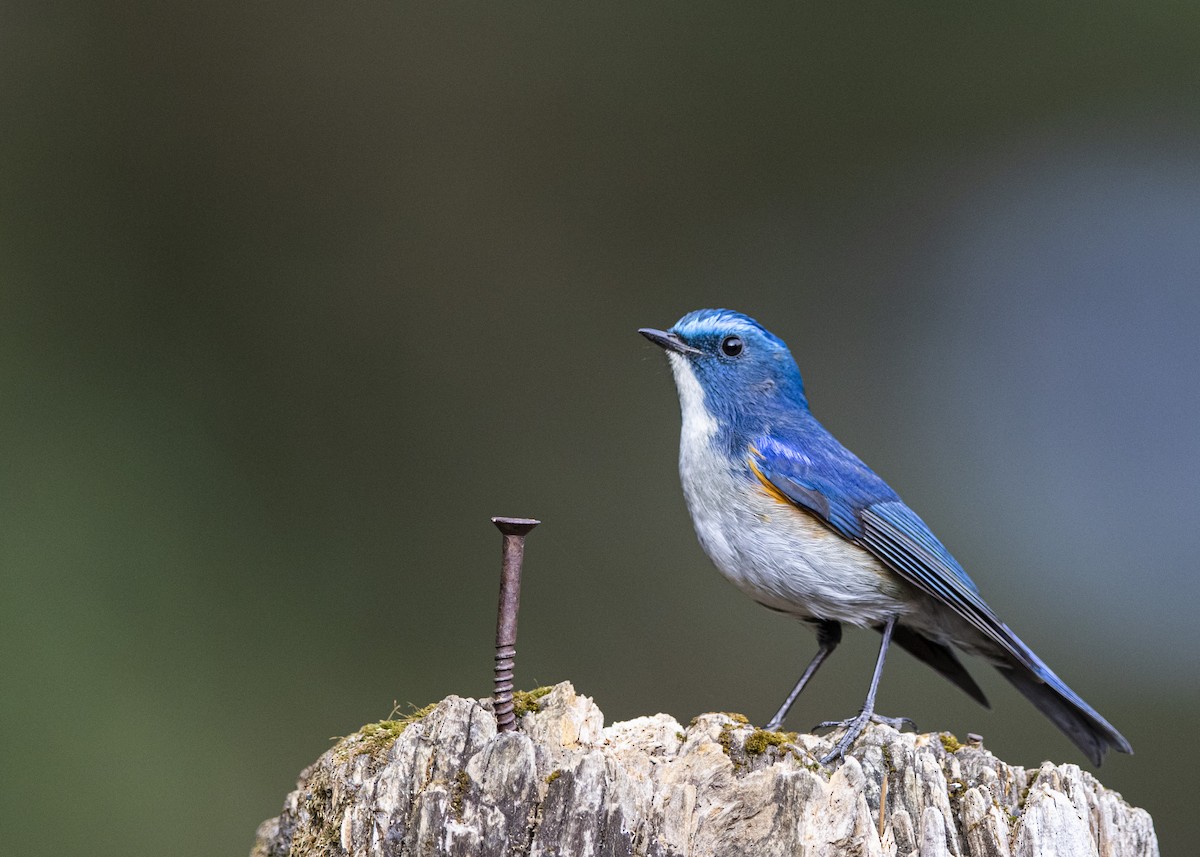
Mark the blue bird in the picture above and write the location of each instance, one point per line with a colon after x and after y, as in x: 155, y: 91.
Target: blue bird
x: 801, y: 525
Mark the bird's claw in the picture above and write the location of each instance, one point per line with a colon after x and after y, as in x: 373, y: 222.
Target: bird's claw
x: 896, y: 723
x: 854, y: 727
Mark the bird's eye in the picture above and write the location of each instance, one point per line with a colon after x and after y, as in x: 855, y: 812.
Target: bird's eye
x: 731, y: 346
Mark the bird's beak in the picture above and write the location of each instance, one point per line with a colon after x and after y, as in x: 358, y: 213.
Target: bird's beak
x: 669, y: 341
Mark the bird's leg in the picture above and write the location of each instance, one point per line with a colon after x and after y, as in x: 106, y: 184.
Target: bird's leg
x: 855, y: 725
x: 829, y: 634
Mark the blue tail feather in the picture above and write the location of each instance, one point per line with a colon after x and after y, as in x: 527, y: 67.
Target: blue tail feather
x: 1090, y: 732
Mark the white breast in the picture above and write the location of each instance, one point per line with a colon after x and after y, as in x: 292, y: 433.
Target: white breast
x: 780, y: 556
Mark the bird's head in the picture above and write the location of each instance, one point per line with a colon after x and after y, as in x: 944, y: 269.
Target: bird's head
x: 740, y: 368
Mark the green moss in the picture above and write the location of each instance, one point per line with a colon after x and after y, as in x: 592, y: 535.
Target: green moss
x: 552, y: 776
x: 526, y: 701
x: 458, y: 793
x: 378, y: 736
x: 725, y: 738
x: 728, y: 742
x: 374, y: 738
x: 761, y: 739
x: 950, y: 743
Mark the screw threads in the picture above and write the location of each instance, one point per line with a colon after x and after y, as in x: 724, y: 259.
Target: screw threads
x: 502, y: 692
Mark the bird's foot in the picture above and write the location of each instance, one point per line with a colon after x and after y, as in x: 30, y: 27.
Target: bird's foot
x: 897, y: 723
x: 854, y: 727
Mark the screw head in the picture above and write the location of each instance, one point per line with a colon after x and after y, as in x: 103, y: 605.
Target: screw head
x: 515, y: 526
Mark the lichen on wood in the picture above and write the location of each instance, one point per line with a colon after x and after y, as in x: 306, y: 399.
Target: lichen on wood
x: 563, y: 785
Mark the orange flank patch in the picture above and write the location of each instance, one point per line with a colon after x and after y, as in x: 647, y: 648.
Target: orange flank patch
x: 768, y: 488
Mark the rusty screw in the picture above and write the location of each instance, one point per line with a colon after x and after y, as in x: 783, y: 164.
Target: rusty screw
x: 514, y: 530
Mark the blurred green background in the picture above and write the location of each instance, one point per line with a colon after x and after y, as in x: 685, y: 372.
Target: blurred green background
x: 295, y: 296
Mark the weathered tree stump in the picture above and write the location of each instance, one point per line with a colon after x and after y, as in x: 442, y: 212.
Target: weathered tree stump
x: 445, y: 783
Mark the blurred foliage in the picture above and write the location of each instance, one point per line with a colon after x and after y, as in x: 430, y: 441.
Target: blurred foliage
x: 296, y: 296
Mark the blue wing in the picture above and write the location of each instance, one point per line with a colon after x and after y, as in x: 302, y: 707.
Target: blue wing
x: 832, y: 483
x: 895, y: 534
x: 829, y: 481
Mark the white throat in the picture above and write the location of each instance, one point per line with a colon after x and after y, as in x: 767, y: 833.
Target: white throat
x: 699, y: 425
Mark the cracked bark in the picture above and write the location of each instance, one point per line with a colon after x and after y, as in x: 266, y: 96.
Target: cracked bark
x: 565, y: 785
